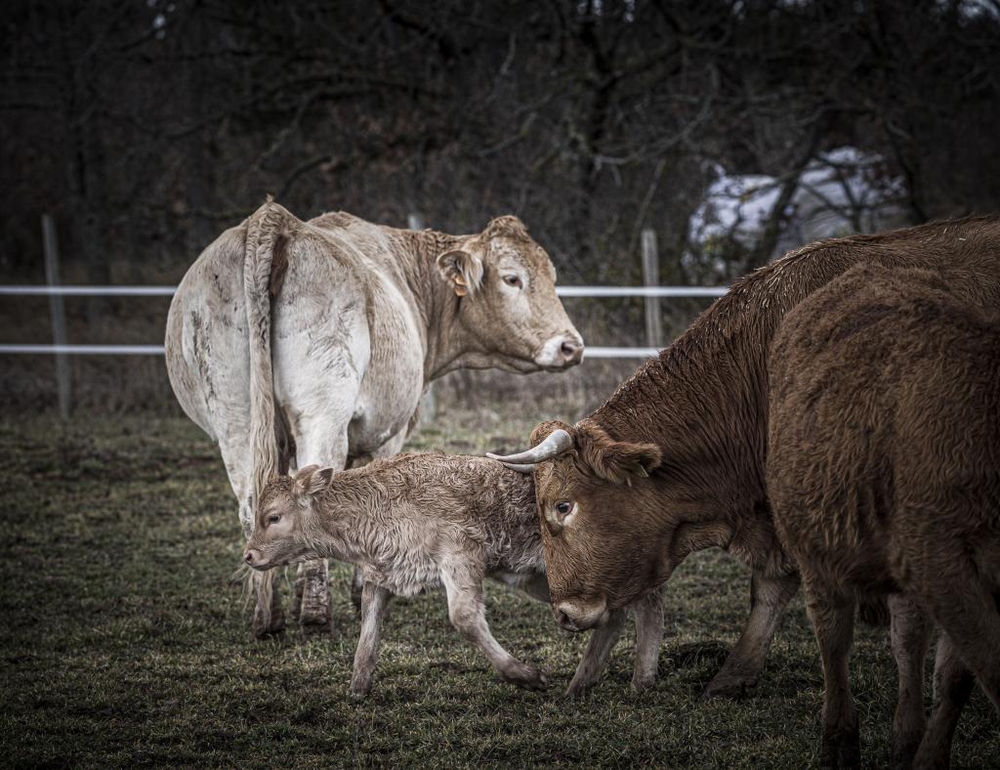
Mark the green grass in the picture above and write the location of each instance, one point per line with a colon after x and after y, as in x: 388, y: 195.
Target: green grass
x: 124, y: 643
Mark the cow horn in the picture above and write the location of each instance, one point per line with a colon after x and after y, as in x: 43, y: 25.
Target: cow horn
x: 519, y: 467
x: 555, y: 444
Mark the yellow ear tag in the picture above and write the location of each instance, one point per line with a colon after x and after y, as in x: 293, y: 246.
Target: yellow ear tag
x: 460, y: 280
x: 461, y: 291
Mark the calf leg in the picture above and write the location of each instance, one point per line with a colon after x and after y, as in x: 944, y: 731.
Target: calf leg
x: 910, y: 634
x: 768, y: 597
x: 832, y: 616
x: 953, y: 683
x: 595, y: 657
x: 468, y: 615
x: 373, y: 601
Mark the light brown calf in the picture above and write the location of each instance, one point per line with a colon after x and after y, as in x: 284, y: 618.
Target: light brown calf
x: 423, y: 520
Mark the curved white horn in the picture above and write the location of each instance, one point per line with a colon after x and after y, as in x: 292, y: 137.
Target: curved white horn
x: 519, y: 467
x: 556, y: 443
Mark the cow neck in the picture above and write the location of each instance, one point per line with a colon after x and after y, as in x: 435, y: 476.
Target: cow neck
x: 445, y: 339
x: 703, y: 401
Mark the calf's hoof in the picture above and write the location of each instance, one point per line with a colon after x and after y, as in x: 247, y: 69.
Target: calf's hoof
x: 527, y: 676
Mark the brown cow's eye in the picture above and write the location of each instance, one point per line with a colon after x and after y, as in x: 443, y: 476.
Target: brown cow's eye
x: 563, y: 508
x: 513, y: 280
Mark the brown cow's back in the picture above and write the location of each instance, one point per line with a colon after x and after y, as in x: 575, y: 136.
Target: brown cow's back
x: 885, y: 426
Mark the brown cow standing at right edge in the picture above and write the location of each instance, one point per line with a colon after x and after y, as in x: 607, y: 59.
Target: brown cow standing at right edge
x: 884, y: 476
x: 674, y: 461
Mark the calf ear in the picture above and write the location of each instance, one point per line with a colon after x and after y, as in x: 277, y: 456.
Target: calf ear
x: 617, y: 461
x: 464, y: 271
x: 312, y: 479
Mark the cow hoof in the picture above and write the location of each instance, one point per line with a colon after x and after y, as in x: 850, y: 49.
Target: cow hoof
x: 642, y: 683
x: 318, y: 630
x: 268, y: 628
x: 731, y: 688
x: 360, y: 689
x: 527, y: 677
x: 578, y: 689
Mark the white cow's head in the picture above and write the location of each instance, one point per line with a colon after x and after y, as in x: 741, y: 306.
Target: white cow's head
x: 508, y: 303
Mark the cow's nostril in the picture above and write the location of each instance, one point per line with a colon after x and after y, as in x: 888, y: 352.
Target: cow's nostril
x: 248, y: 557
x: 570, y: 350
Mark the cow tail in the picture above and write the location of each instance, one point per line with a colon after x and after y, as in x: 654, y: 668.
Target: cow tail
x: 265, y: 234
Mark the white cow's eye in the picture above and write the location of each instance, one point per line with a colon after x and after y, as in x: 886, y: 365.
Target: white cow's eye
x: 273, y: 518
x: 513, y: 280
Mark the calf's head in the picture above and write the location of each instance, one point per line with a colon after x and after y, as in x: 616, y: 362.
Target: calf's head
x: 596, y: 506
x: 510, y: 309
x: 286, y: 518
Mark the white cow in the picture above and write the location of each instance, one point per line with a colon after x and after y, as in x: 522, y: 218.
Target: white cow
x: 330, y: 330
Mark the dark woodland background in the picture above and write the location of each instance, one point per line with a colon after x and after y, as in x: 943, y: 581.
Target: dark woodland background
x: 146, y: 127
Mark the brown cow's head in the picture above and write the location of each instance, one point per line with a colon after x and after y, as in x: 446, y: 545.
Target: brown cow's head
x: 510, y: 310
x: 286, y: 516
x: 587, y: 485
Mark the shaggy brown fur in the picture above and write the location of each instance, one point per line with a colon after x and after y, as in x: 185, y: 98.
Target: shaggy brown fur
x: 884, y: 474
x: 703, y: 405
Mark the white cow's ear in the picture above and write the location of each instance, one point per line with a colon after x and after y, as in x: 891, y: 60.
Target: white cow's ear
x: 312, y: 479
x: 464, y: 271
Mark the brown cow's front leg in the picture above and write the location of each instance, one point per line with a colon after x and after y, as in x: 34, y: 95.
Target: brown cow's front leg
x: 648, y: 637
x: 910, y: 634
x: 832, y: 616
x: 953, y: 683
x: 768, y: 598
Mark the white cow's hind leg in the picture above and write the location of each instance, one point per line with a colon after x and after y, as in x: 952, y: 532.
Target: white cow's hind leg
x: 388, y: 449
x: 268, y: 617
x: 320, y: 441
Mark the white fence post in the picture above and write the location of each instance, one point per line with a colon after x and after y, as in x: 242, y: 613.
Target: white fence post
x: 50, y: 246
x: 651, y: 277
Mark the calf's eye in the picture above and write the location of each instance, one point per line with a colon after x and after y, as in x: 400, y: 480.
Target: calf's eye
x: 273, y: 518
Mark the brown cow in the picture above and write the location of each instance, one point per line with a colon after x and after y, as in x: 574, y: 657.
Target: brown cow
x: 423, y: 520
x: 884, y: 476
x: 673, y: 462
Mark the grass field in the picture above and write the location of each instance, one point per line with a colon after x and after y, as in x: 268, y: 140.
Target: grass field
x: 124, y: 643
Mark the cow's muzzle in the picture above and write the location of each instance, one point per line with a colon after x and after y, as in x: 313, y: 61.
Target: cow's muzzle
x: 576, y: 617
x: 561, y: 352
